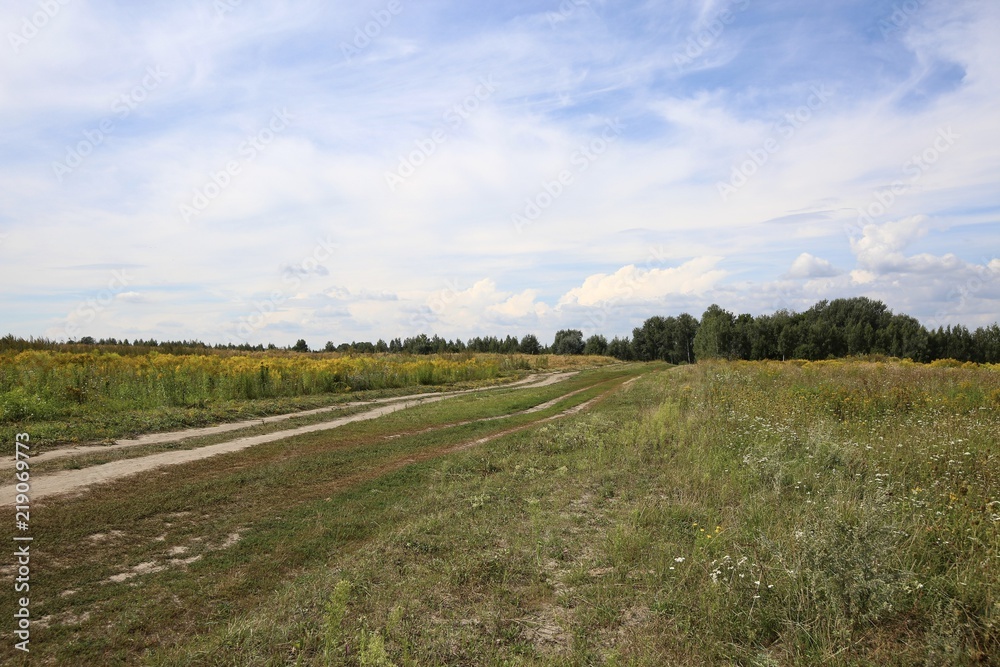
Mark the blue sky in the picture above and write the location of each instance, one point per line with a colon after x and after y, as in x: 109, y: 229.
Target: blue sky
x: 239, y: 171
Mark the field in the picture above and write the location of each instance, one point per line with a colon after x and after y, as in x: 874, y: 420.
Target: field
x: 743, y: 513
x: 81, y: 396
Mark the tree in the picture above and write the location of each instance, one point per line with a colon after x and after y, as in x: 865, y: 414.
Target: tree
x: 987, y: 344
x: 529, y: 345
x: 741, y: 345
x: 715, y: 334
x: 654, y: 339
x: 684, y: 333
x: 596, y: 345
x: 906, y: 337
x: 568, y: 341
x: 620, y: 348
x: 300, y: 346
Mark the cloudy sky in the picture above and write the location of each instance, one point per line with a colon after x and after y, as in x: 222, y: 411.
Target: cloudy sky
x: 239, y: 170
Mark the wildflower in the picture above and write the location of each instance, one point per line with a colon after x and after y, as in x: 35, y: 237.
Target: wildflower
x: 679, y: 559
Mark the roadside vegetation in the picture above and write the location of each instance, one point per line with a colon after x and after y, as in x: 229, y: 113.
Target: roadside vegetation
x: 61, y: 396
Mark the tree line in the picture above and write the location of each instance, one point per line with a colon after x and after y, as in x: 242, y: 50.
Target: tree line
x: 830, y: 329
x: 856, y: 326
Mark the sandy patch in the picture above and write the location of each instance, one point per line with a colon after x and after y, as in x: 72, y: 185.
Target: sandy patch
x: 142, y: 568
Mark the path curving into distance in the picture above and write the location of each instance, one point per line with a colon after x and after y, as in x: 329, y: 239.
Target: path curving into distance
x: 533, y: 381
x: 66, y: 481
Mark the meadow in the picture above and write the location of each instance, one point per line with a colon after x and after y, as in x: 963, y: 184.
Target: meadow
x: 726, y: 513
x: 81, y: 396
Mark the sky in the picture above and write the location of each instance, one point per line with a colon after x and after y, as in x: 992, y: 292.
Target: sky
x: 240, y: 171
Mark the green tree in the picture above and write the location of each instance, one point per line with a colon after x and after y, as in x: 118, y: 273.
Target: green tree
x: 905, y: 337
x: 596, y: 345
x: 568, y: 341
x: 649, y: 340
x: 300, y: 346
x: 529, y: 345
x: 715, y: 334
x: 620, y: 348
x: 684, y: 334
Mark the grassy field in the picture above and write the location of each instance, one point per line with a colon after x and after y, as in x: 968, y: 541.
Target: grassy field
x: 831, y: 513
x: 67, y: 397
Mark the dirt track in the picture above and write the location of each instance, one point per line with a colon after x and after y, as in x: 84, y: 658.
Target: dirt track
x: 71, y: 480
x: 534, y: 381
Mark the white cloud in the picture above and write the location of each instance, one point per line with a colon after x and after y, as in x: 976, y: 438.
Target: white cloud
x: 130, y: 297
x: 862, y: 277
x: 633, y: 284
x: 520, y: 306
x: 880, y: 245
x: 402, y: 254
x: 808, y: 266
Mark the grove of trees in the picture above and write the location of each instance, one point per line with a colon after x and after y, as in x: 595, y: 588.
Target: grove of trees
x: 830, y: 329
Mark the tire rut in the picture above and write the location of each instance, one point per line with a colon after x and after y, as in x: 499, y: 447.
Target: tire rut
x: 67, y: 481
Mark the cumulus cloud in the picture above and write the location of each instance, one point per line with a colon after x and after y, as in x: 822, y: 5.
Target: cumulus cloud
x: 879, y: 251
x: 635, y: 284
x: 808, y: 266
x: 879, y: 247
x: 557, y: 83
x: 520, y: 306
x: 458, y: 310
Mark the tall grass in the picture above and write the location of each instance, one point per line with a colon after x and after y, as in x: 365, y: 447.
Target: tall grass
x: 846, y: 512
x: 831, y: 513
x: 43, y: 386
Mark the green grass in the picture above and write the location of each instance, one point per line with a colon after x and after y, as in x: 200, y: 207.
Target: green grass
x: 272, y: 493
x: 66, y: 397
x: 498, y: 402
x: 724, y: 514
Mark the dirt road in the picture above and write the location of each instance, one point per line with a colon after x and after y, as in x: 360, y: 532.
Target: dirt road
x: 71, y: 480
x: 533, y: 381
